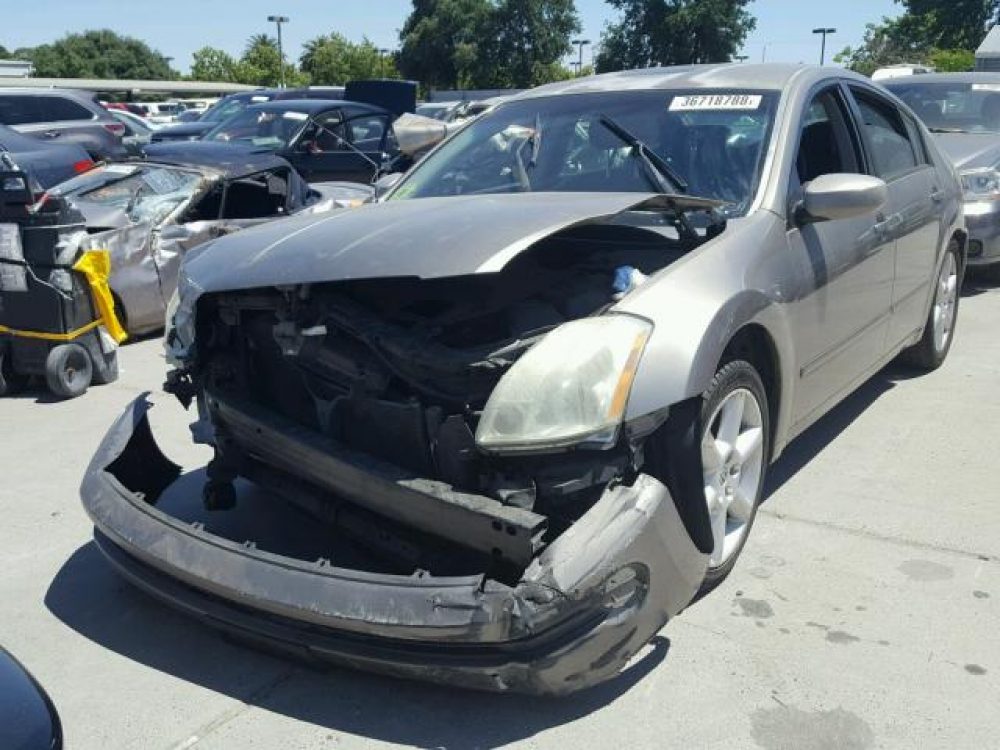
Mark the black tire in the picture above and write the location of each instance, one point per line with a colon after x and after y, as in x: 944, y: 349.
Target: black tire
x: 10, y: 382
x: 733, y: 375
x: 68, y: 370
x: 926, y: 355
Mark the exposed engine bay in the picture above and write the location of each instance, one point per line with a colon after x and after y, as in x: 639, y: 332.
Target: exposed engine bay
x: 392, y: 374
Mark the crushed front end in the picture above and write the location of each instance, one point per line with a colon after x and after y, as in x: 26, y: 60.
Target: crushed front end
x: 474, y: 538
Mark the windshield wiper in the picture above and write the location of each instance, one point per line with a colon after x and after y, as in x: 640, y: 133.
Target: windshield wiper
x: 662, y: 174
x: 947, y: 130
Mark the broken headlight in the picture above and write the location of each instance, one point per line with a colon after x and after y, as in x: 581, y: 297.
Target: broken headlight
x: 178, y: 325
x: 570, y: 389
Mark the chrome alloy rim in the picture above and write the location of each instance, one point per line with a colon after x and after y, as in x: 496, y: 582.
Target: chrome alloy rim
x: 944, y: 303
x: 732, y: 456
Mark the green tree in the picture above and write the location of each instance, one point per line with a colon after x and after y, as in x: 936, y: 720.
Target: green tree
x: 440, y: 42
x: 674, y: 32
x: 333, y: 60
x: 99, y: 54
x: 486, y: 43
x: 4, y: 53
x: 261, y: 65
x: 211, y: 64
x: 952, y: 60
x: 945, y: 30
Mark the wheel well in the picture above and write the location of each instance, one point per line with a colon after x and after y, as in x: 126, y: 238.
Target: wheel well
x: 754, y: 344
x: 962, y: 238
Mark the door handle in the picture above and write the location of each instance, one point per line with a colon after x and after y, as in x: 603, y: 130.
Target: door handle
x: 51, y: 133
x: 937, y: 195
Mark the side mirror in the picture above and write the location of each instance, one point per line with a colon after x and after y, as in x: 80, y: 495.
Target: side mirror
x: 840, y: 196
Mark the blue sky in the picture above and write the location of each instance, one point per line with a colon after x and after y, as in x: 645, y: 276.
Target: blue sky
x: 179, y: 27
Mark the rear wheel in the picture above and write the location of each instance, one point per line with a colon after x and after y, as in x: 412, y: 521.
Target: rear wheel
x: 735, y: 444
x: 939, y: 330
x: 68, y: 370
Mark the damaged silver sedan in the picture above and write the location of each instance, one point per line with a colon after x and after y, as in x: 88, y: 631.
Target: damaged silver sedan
x: 531, y: 397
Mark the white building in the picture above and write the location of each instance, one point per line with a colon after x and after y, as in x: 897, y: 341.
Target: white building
x: 15, y: 69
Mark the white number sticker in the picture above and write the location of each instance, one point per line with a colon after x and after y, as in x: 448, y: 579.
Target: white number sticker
x: 986, y: 87
x: 715, y: 101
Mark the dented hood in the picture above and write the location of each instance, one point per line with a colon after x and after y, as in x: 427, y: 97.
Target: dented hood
x: 425, y: 238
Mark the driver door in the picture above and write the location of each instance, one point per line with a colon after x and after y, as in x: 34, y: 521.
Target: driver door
x: 841, y: 317
x: 332, y: 148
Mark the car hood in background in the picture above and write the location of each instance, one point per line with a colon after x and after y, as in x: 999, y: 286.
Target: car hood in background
x: 970, y: 150
x: 28, y: 720
x: 425, y: 238
x: 183, y: 131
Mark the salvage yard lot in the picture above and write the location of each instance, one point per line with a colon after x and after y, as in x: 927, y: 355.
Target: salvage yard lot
x: 863, y: 612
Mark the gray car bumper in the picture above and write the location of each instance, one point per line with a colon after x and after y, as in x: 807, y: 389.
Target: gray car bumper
x: 982, y: 219
x: 587, y: 604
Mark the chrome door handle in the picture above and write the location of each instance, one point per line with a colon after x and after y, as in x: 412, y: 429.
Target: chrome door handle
x: 937, y: 195
x: 51, y: 133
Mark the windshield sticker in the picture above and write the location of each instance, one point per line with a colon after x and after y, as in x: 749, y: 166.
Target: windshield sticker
x: 714, y: 102
x: 986, y: 87
x: 294, y: 115
x: 161, y: 181
x: 260, y: 99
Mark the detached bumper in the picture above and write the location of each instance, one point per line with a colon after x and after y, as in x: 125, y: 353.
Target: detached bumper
x: 588, y: 603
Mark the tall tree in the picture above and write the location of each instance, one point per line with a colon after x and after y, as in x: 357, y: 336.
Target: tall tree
x: 4, y: 53
x: 486, y: 43
x: 261, y: 64
x: 528, y: 38
x: 99, y: 54
x: 674, y: 32
x: 947, y: 31
x: 440, y: 42
x: 334, y: 60
x: 211, y: 64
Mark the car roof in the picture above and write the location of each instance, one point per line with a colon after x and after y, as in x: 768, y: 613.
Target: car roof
x: 746, y: 76
x: 313, y: 105
x: 971, y: 77
x: 82, y: 94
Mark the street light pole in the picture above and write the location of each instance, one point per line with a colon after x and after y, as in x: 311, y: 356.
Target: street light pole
x: 381, y: 61
x: 822, y: 49
x: 580, y: 44
x: 277, y: 21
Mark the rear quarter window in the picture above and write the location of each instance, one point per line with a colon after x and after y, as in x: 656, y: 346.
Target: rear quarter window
x: 58, y: 108
x: 17, y: 109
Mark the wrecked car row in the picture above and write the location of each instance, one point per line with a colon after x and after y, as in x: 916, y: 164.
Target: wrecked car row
x: 532, y: 393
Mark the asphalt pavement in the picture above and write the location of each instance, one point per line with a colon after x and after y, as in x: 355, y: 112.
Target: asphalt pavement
x: 863, y: 614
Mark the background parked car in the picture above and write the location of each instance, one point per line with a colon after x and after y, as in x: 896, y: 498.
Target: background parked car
x: 138, y: 130
x: 194, y: 126
x: 322, y: 139
x: 148, y: 214
x: 962, y: 110
x: 63, y: 115
x: 48, y: 162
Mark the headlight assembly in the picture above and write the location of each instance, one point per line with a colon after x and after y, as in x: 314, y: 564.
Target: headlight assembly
x: 570, y: 389
x: 980, y: 184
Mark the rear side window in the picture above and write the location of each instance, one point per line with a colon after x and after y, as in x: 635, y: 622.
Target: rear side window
x: 16, y: 109
x: 893, y: 153
x: 58, y: 108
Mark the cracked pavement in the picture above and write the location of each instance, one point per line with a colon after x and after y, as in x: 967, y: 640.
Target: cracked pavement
x: 862, y: 614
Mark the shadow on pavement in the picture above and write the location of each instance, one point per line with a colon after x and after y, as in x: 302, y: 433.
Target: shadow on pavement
x: 89, y: 597
x: 808, y: 445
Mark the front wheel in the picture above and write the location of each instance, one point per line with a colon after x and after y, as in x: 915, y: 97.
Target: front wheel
x: 939, y: 329
x: 68, y: 370
x: 735, y: 445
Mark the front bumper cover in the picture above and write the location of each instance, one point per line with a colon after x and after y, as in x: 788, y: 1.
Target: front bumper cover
x: 584, y: 606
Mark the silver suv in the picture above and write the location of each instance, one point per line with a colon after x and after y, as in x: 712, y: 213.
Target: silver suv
x: 63, y: 116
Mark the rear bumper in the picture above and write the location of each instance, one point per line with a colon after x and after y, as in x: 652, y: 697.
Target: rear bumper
x: 588, y: 603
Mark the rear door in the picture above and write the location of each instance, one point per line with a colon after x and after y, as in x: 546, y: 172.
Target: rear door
x: 840, y: 322
x: 61, y: 119
x: 914, y: 214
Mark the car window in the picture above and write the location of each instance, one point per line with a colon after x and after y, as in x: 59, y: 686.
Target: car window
x: 256, y: 196
x: 366, y: 132
x: 953, y: 107
x: 825, y: 143
x: 58, y: 109
x: 893, y: 153
x: 263, y: 128
x: 18, y: 110
x: 147, y: 192
x: 714, y: 139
